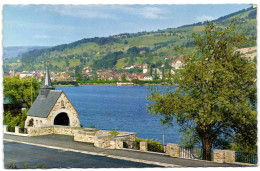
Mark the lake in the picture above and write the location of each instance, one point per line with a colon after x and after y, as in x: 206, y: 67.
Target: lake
x: 119, y: 108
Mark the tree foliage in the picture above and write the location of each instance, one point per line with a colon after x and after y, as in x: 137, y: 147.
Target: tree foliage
x: 13, y: 121
x: 20, y: 91
x: 215, y: 101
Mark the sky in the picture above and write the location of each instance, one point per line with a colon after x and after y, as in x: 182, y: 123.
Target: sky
x: 50, y: 25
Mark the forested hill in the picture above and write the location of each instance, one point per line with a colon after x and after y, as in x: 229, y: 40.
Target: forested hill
x: 127, y: 48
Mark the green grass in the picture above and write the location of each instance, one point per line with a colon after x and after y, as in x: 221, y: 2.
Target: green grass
x: 120, y: 63
x: 96, y: 51
x: 198, y: 28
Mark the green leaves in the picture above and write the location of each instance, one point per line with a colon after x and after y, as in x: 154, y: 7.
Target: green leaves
x: 216, y: 94
x: 20, y: 91
x: 13, y: 121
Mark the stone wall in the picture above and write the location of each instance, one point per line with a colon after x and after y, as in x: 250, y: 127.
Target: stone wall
x: 224, y: 156
x: 103, y: 140
x: 37, y: 122
x: 17, y: 131
x: 63, y: 130
x: 100, y: 138
x: 56, y: 129
x: 128, y: 138
x: 68, y: 108
x: 115, y: 144
x: 85, y: 136
x: 173, y: 150
x: 34, y: 131
x: 143, y: 146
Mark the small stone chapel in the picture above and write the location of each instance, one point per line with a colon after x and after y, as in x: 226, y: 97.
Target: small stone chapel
x: 51, y: 107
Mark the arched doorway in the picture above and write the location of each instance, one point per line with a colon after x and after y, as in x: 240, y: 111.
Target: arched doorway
x: 62, y: 119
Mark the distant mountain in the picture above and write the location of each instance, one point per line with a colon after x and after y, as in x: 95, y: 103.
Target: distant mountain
x: 15, y: 51
x: 128, y: 48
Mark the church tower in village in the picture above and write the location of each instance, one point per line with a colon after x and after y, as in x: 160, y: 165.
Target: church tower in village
x: 51, y: 107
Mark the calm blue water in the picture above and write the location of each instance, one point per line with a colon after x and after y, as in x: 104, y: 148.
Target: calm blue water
x: 120, y: 108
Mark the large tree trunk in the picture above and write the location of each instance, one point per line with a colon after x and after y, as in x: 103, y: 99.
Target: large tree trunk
x: 206, y: 145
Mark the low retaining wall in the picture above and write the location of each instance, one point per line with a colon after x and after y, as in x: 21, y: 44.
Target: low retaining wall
x: 56, y: 129
x: 100, y: 138
x: 85, y: 136
x: 128, y: 138
x: 17, y: 131
x: 34, y: 131
x: 224, y: 156
x: 66, y: 130
x: 173, y: 150
x: 103, y: 139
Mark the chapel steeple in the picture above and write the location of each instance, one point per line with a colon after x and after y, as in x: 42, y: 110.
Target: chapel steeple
x: 47, y: 81
x: 46, y: 86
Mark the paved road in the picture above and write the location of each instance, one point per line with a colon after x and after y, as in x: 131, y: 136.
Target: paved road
x: 67, y: 143
x: 33, y: 155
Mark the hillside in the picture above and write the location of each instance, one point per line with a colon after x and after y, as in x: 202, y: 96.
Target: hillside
x: 127, y: 48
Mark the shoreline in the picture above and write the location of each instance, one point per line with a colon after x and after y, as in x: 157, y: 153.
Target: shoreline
x: 94, y: 84
x: 108, y: 84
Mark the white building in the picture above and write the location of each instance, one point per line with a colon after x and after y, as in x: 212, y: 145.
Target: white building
x: 145, y: 68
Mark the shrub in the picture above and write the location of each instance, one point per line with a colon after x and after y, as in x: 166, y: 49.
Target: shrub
x: 13, y: 121
x: 153, y: 145
x: 114, y: 133
x: 42, y: 166
x: 25, y: 165
x: 11, y: 165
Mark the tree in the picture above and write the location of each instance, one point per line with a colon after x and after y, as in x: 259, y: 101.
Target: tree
x: 124, y: 78
x: 151, y: 70
x: 21, y: 91
x: 215, y: 100
x: 163, y: 70
x: 13, y: 121
x: 79, y: 77
x: 67, y: 62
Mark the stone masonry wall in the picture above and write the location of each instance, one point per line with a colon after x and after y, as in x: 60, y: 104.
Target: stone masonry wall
x: 73, y: 115
x: 37, y: 122
x: 101, y: 139
x: 85, y: 136
x: 62, y: 130
x: 173, y: 150
x: 34, y: 131
x: 224, y: 156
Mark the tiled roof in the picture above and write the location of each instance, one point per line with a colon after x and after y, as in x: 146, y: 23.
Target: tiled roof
x: 43, y: 106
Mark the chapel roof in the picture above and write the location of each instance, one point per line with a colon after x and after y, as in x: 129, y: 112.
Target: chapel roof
x: 46, y: 99
x: 43, y: 106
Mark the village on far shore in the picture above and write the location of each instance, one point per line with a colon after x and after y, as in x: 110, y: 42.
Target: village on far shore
x: 148, y: 72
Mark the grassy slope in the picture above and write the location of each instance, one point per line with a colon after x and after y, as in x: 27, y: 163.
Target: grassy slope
x: 96, y: 51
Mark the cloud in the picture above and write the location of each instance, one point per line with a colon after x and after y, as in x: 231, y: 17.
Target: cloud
x: 106, y: 11
x: 41, y: 36
x: 145, y: 12
x: 152, y: 12
x: 205, y: 18
x: 81, y: 11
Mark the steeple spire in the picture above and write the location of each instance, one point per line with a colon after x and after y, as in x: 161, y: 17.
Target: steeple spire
x: 46, y: 86
x: 47, y: 81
